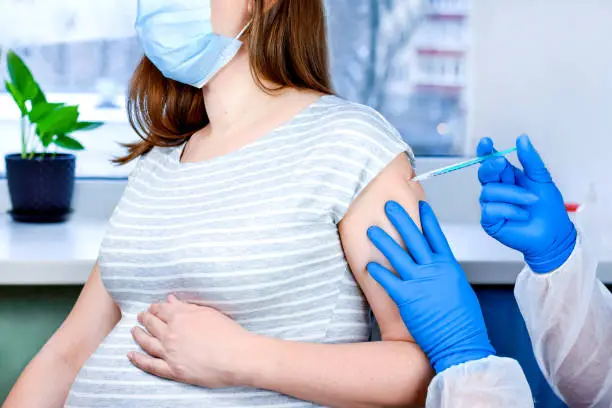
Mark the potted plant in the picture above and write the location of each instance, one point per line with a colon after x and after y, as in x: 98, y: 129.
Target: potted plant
x: 41, y: 180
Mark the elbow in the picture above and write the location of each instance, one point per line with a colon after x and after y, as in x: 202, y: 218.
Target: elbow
x: 412, y: 371
x: 414, y: 393
x: 413, y: 374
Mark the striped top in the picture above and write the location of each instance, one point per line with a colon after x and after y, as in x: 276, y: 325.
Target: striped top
x: 252, y: 233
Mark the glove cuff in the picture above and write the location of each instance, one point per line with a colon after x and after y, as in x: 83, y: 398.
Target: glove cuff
x: 456, y: 357
x: 558, y: 254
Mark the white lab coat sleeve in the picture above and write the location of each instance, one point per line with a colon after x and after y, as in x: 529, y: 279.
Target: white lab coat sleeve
x: 568, y: 314
x: 490, y: 382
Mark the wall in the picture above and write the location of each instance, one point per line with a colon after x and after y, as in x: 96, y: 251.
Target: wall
x: 543, y: 67
x: 28, y: 317
x: 538, y: 66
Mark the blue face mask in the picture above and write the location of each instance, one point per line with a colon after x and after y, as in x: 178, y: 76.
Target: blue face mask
x: 177, y: 37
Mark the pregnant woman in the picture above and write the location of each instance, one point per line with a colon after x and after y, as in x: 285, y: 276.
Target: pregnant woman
x: 233, y: 272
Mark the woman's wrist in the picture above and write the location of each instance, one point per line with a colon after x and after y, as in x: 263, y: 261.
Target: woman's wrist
x: 257, y: 362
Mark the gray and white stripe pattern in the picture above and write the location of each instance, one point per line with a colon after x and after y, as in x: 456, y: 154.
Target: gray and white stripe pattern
x: 252, y: 233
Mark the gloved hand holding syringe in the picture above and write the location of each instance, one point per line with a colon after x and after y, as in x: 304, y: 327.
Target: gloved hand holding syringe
x: 460, y: 165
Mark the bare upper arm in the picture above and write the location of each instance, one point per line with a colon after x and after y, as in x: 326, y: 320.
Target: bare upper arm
x: 93, y: 316
x: 393, y: 183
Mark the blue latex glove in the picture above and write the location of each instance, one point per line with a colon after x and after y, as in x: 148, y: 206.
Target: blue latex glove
x: 524, y: 210
x: 436, y: 302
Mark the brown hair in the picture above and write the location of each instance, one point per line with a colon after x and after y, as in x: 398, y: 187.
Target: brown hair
x: 287, y: 45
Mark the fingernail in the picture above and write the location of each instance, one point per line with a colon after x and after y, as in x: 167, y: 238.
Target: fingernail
x: 533, y: 198
x: 499, y: 162
x: 391, y: 206
x: 525, y: 138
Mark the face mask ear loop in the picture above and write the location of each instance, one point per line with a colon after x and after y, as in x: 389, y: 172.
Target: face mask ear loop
x: 226, y: 58
x: 243, y: 30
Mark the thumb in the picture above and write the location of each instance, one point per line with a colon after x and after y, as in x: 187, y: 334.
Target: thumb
x: 485, y: 147
x: 533, y: 165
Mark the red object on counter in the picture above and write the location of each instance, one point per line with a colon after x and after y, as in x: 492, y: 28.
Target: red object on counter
x: 571, y: 207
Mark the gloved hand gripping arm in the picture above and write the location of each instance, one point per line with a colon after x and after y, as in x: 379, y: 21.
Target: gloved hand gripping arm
x: 443, y: 315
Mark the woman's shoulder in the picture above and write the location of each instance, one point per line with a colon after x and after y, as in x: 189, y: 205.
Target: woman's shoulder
x: 358, y: 125
x: 158, y: 156
x: 342, y: 110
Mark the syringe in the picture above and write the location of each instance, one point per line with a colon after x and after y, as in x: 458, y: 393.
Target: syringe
x: 461, y: 165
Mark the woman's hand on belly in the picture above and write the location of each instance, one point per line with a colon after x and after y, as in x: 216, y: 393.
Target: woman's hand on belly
x: 192, y: 344
x: 201, y: 346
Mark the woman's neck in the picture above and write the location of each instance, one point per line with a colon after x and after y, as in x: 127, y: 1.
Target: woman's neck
x: 232, y: 97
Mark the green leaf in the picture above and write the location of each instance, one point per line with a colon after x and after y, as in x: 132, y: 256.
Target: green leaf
x: 21, y: 76
x: 40, y: 95
x: 46, y: 139
x: 86, y: 126
x: 59, y: 121
x: 41, y: 110
x: 68, y: 143
x: 18, y: 97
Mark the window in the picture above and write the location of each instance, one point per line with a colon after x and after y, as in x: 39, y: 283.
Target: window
x: 80, y: 52
x: 94, y: 75
x: 405, y: 58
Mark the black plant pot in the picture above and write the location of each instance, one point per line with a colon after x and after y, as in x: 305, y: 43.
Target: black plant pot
x: 40, y: 188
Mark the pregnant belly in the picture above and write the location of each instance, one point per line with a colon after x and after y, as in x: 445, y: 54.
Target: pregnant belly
x: 109, y: 380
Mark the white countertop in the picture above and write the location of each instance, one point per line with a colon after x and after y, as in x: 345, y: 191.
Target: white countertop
x: 64, y: 254
x: 48, y: 254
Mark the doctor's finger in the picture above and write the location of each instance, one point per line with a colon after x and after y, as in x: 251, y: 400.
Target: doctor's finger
x: 507, y: 193
x: 485, y: 147
x: 533, y: 165
x: 387, y: 279
x: 413, y: 239
x: 492, y: 213
x: 496, y: 170
x: 395, y: 254
x: 432, y: 230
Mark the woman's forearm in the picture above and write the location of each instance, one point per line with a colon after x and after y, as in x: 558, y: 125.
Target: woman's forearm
x: 44, y: 383
x: 376, y: 374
